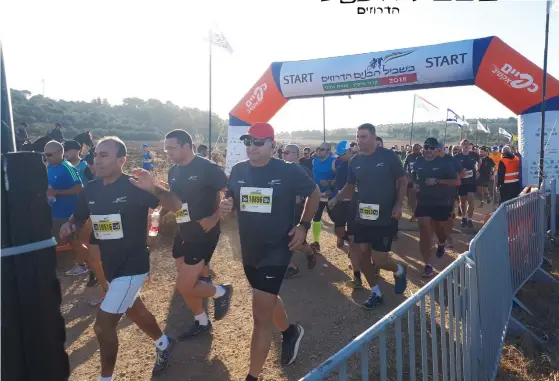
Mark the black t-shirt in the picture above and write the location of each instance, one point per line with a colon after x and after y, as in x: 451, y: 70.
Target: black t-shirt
x: 265, y: 201
x: 486, y: 168
x: 469, y: 165
x: 474, y: 155
x: 119, y: 214
x: 197, y: 186
x: 438, y: 168
x: 306, y: 163
x: 375, y: 175
x: 410, y: 162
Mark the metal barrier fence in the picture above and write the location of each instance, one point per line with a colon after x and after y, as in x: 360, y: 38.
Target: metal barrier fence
x: 441, y: 318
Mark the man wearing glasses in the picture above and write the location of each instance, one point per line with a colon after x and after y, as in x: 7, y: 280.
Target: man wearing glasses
x: 434, y: 179
x: 324, y: 177
x: 306, y: 160
x: 64, y: 187
x: 263, y: 191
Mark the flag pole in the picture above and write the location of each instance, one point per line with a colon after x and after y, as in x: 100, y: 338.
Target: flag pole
x: 324, y: 118
x: 210, y: 111
x: 412, y: 115
x: 544, y: 87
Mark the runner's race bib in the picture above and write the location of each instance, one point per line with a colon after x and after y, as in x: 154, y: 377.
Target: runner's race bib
x: 107, y: 227
x: 323, y: 198
x: 469, y: 174
x: 369, y: 211
x: 256, y: 200
x: 183, y: 215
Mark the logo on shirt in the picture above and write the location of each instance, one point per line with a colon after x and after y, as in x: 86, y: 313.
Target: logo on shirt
x: 380, y: 165
x: 173, y: 180
x: 240, y: 182
x: 274, y: 182
x: 193, y: 178
x: 119, y: 200
x: 92, y: 203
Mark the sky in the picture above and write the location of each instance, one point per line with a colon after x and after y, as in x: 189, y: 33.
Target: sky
x: 119, y: 49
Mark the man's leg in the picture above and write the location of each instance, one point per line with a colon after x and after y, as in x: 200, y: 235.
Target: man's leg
x: 105, y: 330
x: 471, y: 207
x: 317, y: 225
x: 412, y: 202
x: 426, y: 244
x: 355, y: 258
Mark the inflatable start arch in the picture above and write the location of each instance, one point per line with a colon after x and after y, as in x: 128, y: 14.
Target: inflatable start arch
x: 488, y: 63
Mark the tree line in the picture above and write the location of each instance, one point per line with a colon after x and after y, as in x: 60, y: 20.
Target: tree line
x: 149, y: 120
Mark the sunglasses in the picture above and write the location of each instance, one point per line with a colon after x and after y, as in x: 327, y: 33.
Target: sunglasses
x: 324, y: 149
x: 255, y: 142
x: 287, y: 152
x: 428, y: 147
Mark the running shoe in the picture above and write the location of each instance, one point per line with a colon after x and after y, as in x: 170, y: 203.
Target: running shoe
x: 356, y: 284
x: 372, y: 302
x: 315, y: 246
x: 77, y: 270
x: 291, y: 272
x: 470, y: 224
x: 401, y: 281
x: 195, y: 329
x: 311, y: 261
x: 428, y: 272
x: 222, y: 304
x: 464, y: 222
x: 162, y: 358
x: 92, y: 280
x: 290, y: 344
x: 97, y: 302
x: 440, y: 250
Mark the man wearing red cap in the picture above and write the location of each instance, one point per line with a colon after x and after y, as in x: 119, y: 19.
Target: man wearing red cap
x: 263, y: 190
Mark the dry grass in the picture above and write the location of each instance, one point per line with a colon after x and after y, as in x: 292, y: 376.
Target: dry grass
x: 317, y: 299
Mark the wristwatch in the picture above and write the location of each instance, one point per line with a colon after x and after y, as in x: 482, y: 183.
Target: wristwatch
x: 306, y: 225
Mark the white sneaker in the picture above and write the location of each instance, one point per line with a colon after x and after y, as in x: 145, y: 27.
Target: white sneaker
x: 77, y: 270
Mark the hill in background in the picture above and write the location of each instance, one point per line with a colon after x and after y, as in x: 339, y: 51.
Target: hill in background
x: 149, y: 120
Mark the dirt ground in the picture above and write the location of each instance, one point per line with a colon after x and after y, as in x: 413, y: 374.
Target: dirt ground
x: 316, y: 299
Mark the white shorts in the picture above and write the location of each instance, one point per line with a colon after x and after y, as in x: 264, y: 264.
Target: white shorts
x: 122, y: 293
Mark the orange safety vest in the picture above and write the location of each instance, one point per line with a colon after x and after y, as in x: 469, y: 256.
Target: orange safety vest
x: 512, y: 170
x: 496, y: 157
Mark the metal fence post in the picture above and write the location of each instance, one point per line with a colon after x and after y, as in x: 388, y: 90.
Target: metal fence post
x: 553, y: 206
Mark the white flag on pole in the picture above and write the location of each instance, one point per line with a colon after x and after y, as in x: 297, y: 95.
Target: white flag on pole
x: 552, y: 6
x: 482, y: 128
x: 453, y: 118
x: 504, y: 133
x: 424, y: 104
x: 218, y: 39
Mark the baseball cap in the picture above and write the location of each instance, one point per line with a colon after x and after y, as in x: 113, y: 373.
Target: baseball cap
x: 71, y: 144
x: 431, y: 142
x: 342, y: 147
x: 260, y: 130
x: 144, y: 145
x: 494, y: 148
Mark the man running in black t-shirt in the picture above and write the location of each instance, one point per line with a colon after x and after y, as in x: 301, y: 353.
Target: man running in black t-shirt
x: 263, y: 190
x: 118, y: 206
x: 378, y: 206
x: 486, y: 172
x: 408, y: 168
x: 197, y: 182
x: 435, y: 180
x: 467, y: 188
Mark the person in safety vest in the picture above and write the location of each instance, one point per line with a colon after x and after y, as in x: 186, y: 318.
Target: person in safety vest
x: 508, y: 175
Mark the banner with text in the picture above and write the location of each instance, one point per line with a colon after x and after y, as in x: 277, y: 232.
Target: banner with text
x: 236, y: 150
x: 369, y: 72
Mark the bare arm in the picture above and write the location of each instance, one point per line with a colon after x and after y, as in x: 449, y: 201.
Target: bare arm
x: 311, y: 205
x: 167, y: 199
x: 401, y: 186
x: 76, y: 189
x: 346, y: 192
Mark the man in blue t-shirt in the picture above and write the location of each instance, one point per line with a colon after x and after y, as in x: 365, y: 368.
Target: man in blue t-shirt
x: 324, y: 178
x: 64, y: 187
x: 147, y: 158
x: 340, y: 212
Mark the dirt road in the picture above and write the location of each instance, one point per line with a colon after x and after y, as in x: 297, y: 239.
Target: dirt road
x: 317, y: 299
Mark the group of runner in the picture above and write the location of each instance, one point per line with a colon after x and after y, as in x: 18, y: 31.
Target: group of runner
x: 276, y: 202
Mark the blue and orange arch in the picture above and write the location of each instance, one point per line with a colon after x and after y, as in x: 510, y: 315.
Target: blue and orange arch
x: 488, y: 63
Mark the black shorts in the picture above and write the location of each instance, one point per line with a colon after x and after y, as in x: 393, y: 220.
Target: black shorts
x: 340, y: 214
x: 92, y: 239
x: 318, y: 215
x: 380, y: 237
x: 436, y: 213
x: 195, y: 251
x: 266, y: 278
x: 464, y: 189
x: 484, y: 182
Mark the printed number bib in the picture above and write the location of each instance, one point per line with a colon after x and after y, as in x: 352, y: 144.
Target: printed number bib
x: 369, y: 211
x: 107, y: 227
x: 256, y: 200
x: 183, y: 215
x: 323, y: 199
x: 469, y: 174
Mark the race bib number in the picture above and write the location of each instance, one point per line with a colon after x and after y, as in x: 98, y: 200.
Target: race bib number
x: 107, y: 227
x: 468, y: 174
x: 183, y: 215
x: 256, y: 200
x: 368, y: 211
x: 323, y: 198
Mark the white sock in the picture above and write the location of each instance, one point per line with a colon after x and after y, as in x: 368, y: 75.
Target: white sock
x: 219, y: 291
x: 375, y: 290
x: 202, y: 318
x: 400, y: 270
x: 162, y: 343
x: 101, y: 378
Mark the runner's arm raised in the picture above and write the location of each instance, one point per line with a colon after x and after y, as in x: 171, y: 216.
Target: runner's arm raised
x: 167, y: 199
